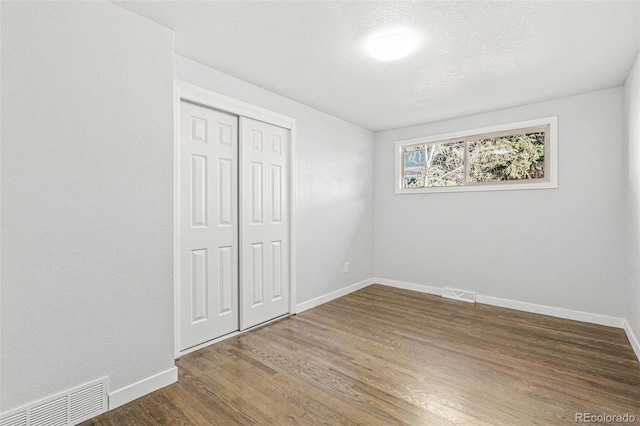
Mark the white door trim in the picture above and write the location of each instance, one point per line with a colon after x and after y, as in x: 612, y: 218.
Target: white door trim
x: 205, y: 97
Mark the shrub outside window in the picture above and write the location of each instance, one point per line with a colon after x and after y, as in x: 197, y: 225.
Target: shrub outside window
x: 519, y: 155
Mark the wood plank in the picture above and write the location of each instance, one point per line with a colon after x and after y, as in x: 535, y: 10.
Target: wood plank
x: 383, y: 356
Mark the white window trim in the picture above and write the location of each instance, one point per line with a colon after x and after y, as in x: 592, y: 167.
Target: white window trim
x: 549, y: 183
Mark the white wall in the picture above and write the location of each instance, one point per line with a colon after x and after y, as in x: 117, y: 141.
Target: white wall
x: 87, y: 187
x: 556, y: 247
x: 334, y: 185
x: 632, y: 114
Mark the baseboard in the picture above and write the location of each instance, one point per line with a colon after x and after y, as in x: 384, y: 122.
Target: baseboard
x: 633, y: 339
x: 142, y: 388
x: 301, y: 307
x: 552, y: 311
x: 514, y: 304
x: 409, y: 286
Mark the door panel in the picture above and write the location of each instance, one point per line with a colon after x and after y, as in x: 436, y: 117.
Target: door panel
x: 208, y: 224
x: 264, y: 221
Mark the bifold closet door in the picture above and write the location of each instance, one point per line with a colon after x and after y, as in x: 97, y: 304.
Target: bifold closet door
x: 264, y: 221
x: 208, y: 224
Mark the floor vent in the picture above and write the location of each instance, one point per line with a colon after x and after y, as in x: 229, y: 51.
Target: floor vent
x: 462, y: 295
x: 65, y: 409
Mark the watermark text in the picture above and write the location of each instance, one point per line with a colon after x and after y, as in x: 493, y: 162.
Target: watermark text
x: 604, y: 418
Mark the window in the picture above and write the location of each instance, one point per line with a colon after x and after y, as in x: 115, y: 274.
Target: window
x: 514, y: 156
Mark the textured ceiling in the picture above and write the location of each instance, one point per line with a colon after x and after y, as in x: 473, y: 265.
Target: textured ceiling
x: 472, y: 57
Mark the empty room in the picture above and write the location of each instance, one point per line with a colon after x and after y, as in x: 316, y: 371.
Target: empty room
x: 319, y: 212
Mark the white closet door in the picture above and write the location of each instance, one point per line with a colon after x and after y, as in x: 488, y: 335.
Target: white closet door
x: 264, y: 229
x: 208, y: 224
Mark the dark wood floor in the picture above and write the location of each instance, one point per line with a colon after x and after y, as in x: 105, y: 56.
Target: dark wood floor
x: 383, y: 356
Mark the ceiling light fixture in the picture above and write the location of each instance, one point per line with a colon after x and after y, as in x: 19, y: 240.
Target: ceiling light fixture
x: 391, y: 46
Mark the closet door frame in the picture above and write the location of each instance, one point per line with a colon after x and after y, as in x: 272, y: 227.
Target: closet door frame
x: 188, y: 92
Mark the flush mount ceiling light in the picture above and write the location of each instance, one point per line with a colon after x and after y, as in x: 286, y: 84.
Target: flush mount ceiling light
x: 391, y: 46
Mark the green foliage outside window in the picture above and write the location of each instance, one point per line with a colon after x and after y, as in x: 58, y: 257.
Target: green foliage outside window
x: 445, y: 164
x: 493, y: 159
x: 515, y: 157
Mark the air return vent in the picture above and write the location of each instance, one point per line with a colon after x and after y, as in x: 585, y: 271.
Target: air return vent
x: 65, y: 409
x: 19, y: 419
x: 462, y: 295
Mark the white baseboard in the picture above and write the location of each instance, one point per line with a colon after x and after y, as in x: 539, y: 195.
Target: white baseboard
x: 409, y: 286
x: 142, y: 388
x: 552, y: 311
x: 301, y: 307
x: 514, y: 304
x: 633, y: 339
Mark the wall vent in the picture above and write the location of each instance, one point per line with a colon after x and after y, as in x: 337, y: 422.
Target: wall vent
x: 64, y: 409
x: 462, y: 295
x: 19, y: 419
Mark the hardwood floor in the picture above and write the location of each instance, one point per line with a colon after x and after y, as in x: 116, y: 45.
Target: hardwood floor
x: 384, y: 356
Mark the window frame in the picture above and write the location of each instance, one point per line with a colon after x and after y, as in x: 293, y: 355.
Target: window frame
x: 550, y: 181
